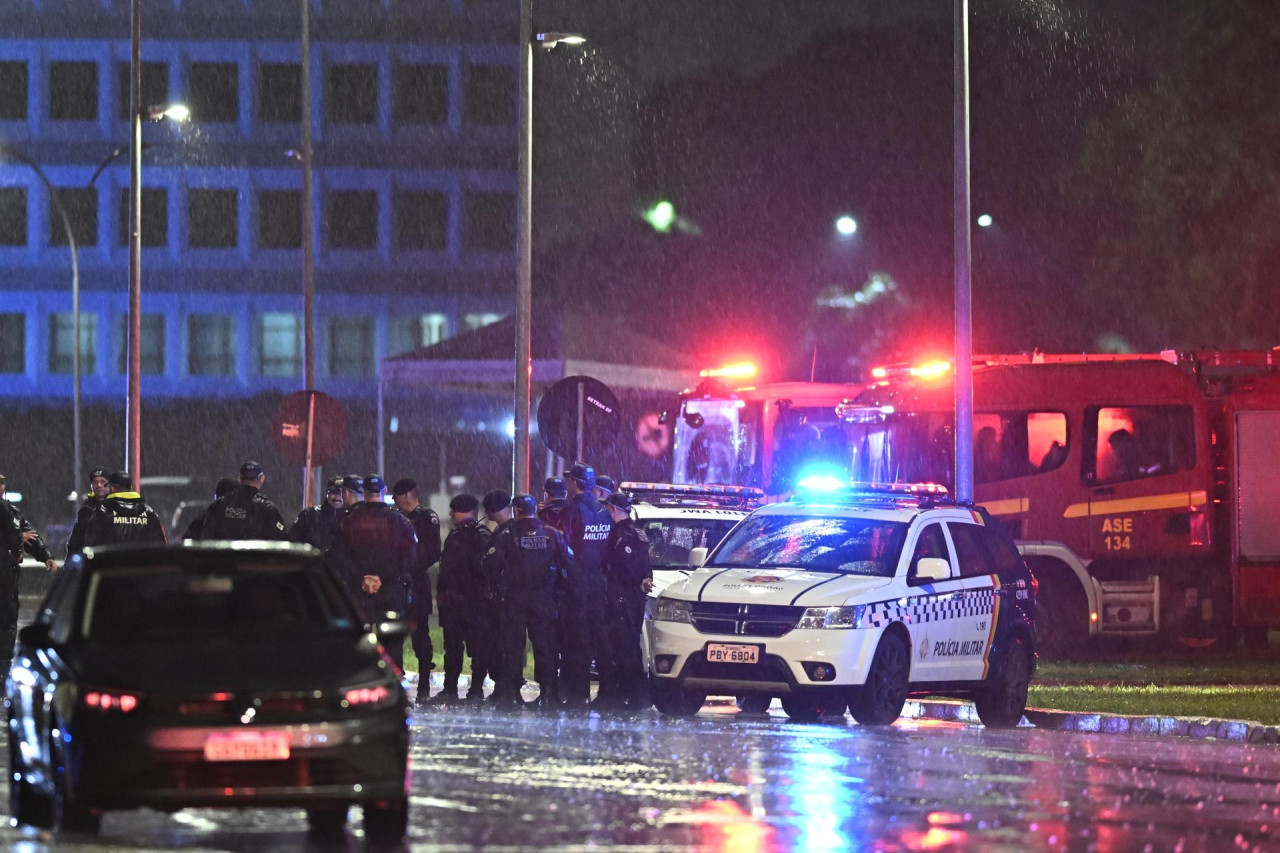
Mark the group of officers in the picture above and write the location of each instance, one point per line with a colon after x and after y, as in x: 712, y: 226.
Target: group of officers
x: 570, y: 576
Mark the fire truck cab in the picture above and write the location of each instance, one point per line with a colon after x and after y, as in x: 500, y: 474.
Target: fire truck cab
x: 1143, y: 490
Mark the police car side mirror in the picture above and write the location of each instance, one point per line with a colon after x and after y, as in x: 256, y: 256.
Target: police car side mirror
x: 697, y: 556
x: 933, y: 569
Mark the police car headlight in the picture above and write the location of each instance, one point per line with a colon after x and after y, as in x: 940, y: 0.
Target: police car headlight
x: 832, y: 617
x: 671, y: 610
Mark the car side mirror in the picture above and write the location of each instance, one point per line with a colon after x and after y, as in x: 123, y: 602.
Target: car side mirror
x: 35, y: 635
x: 933, y: 569
x: 697, y: 556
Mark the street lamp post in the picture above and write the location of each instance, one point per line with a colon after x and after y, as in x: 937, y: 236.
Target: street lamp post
x: 963, y: 265
x: 133, y: 402
x: 524, y: 236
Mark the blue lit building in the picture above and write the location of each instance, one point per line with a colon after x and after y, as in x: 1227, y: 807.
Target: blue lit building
x: 414, y: 106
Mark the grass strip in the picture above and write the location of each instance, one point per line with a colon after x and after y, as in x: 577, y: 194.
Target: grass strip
x: 1225, y: 701
x: 1254, y: 671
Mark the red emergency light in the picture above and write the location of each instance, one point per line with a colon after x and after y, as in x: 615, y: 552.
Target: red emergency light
x: 737, y: 370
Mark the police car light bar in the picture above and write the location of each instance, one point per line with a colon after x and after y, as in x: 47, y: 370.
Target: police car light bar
x: 710, y: 494
x: 855, y: 492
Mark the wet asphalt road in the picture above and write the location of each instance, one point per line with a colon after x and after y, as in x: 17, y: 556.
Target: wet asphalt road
x: 725, y: 782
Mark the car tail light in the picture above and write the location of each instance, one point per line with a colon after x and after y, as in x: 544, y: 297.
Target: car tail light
x: 110, y: 701
x: 374, y: 696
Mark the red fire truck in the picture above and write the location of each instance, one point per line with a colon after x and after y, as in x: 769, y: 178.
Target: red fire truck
x: 1144, y: 490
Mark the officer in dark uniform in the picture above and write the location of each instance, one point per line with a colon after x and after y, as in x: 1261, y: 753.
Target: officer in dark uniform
x: 628, y: 580
x: 245, y: 513
x: 99, y: 488
x: 555, y: 500
x: 123, y: 517
x: 586, y: 525
x: 532, y: 561
x: 32, y: 542
x: 463, y: 600
x: 427, y: 525
x: 224, y: 487
x: 605, y: 486
x: 16, y: 535
x: 374, y: 547
x: 352, y: 492
x: 497, y: 509
x: 315, y: 524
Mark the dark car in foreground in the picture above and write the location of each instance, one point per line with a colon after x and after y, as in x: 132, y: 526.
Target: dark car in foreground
x: 205, y: 674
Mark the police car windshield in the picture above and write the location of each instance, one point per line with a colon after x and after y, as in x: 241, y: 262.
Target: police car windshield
x: 175, y: 602
x: 855, y: 546
x: 671, y: 539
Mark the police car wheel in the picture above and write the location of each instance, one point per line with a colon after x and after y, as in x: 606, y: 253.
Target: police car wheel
x: 754, y: 703
x: 807, y: 708
x: 675, y: 701
x: 879, y: 702
x: 1003, y: 699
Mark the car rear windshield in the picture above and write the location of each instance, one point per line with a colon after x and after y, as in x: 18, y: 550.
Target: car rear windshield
x: 671, y: 539
x: 174, y: 601
x: 855, y: 546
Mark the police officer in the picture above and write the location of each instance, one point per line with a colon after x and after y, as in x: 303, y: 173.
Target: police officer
x: 315, y: 524
x: 374, y: 546
x: 460, y: 592
x: 605, y: 486
x: 586, y: 525
x: 32, y: 542
x: 628, y: 580
x: 16, y: 535
x: 245, y: 513
x: 352, y: 492
x: 123, y: 517
x: 497, y: 509
x: 426, y: 524
x: 99, y: 488
x: 224, y: 487
x: 532, y: 561
x: 555, y: 500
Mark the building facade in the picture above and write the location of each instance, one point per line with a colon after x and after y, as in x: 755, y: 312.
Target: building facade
x: 414, y: 106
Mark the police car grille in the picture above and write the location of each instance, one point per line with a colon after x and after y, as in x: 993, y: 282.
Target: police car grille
x: 744, y: 620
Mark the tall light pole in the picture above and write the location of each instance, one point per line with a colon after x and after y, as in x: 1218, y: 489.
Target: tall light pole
x: 308, y: 258
x: 963, y: 264
x: 133, y: 402
x: 524, y: 237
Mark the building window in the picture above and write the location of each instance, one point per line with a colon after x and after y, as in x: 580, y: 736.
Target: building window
x: 81, y: 205
x: 280, y: 92
x: 280, y: 336
x: 73, y: 91
x: 279, y: 219
x: 210, y: 345
x: 155, y: 87
x: 420, y: 94
x: 215, y: 91
x: 408, y: 332
x: 421, y: 220
x: 491, y: 94
x: 13, y: 343
x: 351, y: 346
x: 353, y: 94
x: 212, y: 218
x: 62, y: 344
x: 155, y: 217
x: 13, y: 91
x: 13, y: 216
x: 353, y: 219
x: 152, y: 339
x: 490, y: 222
x: 479, y: 321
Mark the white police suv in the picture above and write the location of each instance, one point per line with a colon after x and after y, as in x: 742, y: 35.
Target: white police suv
x: 854, y: 598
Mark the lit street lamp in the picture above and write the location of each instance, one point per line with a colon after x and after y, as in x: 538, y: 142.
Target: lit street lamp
x: 846, y: 226
x: 985, y: 221
x: 524, y: 236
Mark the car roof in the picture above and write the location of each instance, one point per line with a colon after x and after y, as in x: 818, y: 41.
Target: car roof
x: 112, y: 556
x: 877, y: 510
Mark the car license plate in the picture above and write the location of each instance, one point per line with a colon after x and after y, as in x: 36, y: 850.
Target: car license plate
x: 246, y: 746
x: 726, y: 653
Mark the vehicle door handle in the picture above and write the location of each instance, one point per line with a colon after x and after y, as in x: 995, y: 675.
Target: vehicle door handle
x: 1105, y: 490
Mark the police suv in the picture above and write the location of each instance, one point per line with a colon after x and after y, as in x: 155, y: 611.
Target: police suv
x: 853, y: 598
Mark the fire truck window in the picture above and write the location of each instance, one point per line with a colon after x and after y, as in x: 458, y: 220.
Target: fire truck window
x: 1136, y: 442
x: 1046, y: 440
x: 930, y: 543
x: 970, y: 553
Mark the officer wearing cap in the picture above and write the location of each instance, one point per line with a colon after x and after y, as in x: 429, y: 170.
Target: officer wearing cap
x: 374, y: 547
x: 462, y: 596
x: 352, y: 491
x: 426, y: 524
x: 497, y: 509
x: 224, y: 487
x: 605, y: 486
x: 628, y: 580
x: 586, y: 525
x: 99, y: 488
x: 245, y: 513
x: 16, y: 535
x: 532, y: 561
x: 555, y: 500
x: 315, y: 524
x: 123, y: 517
